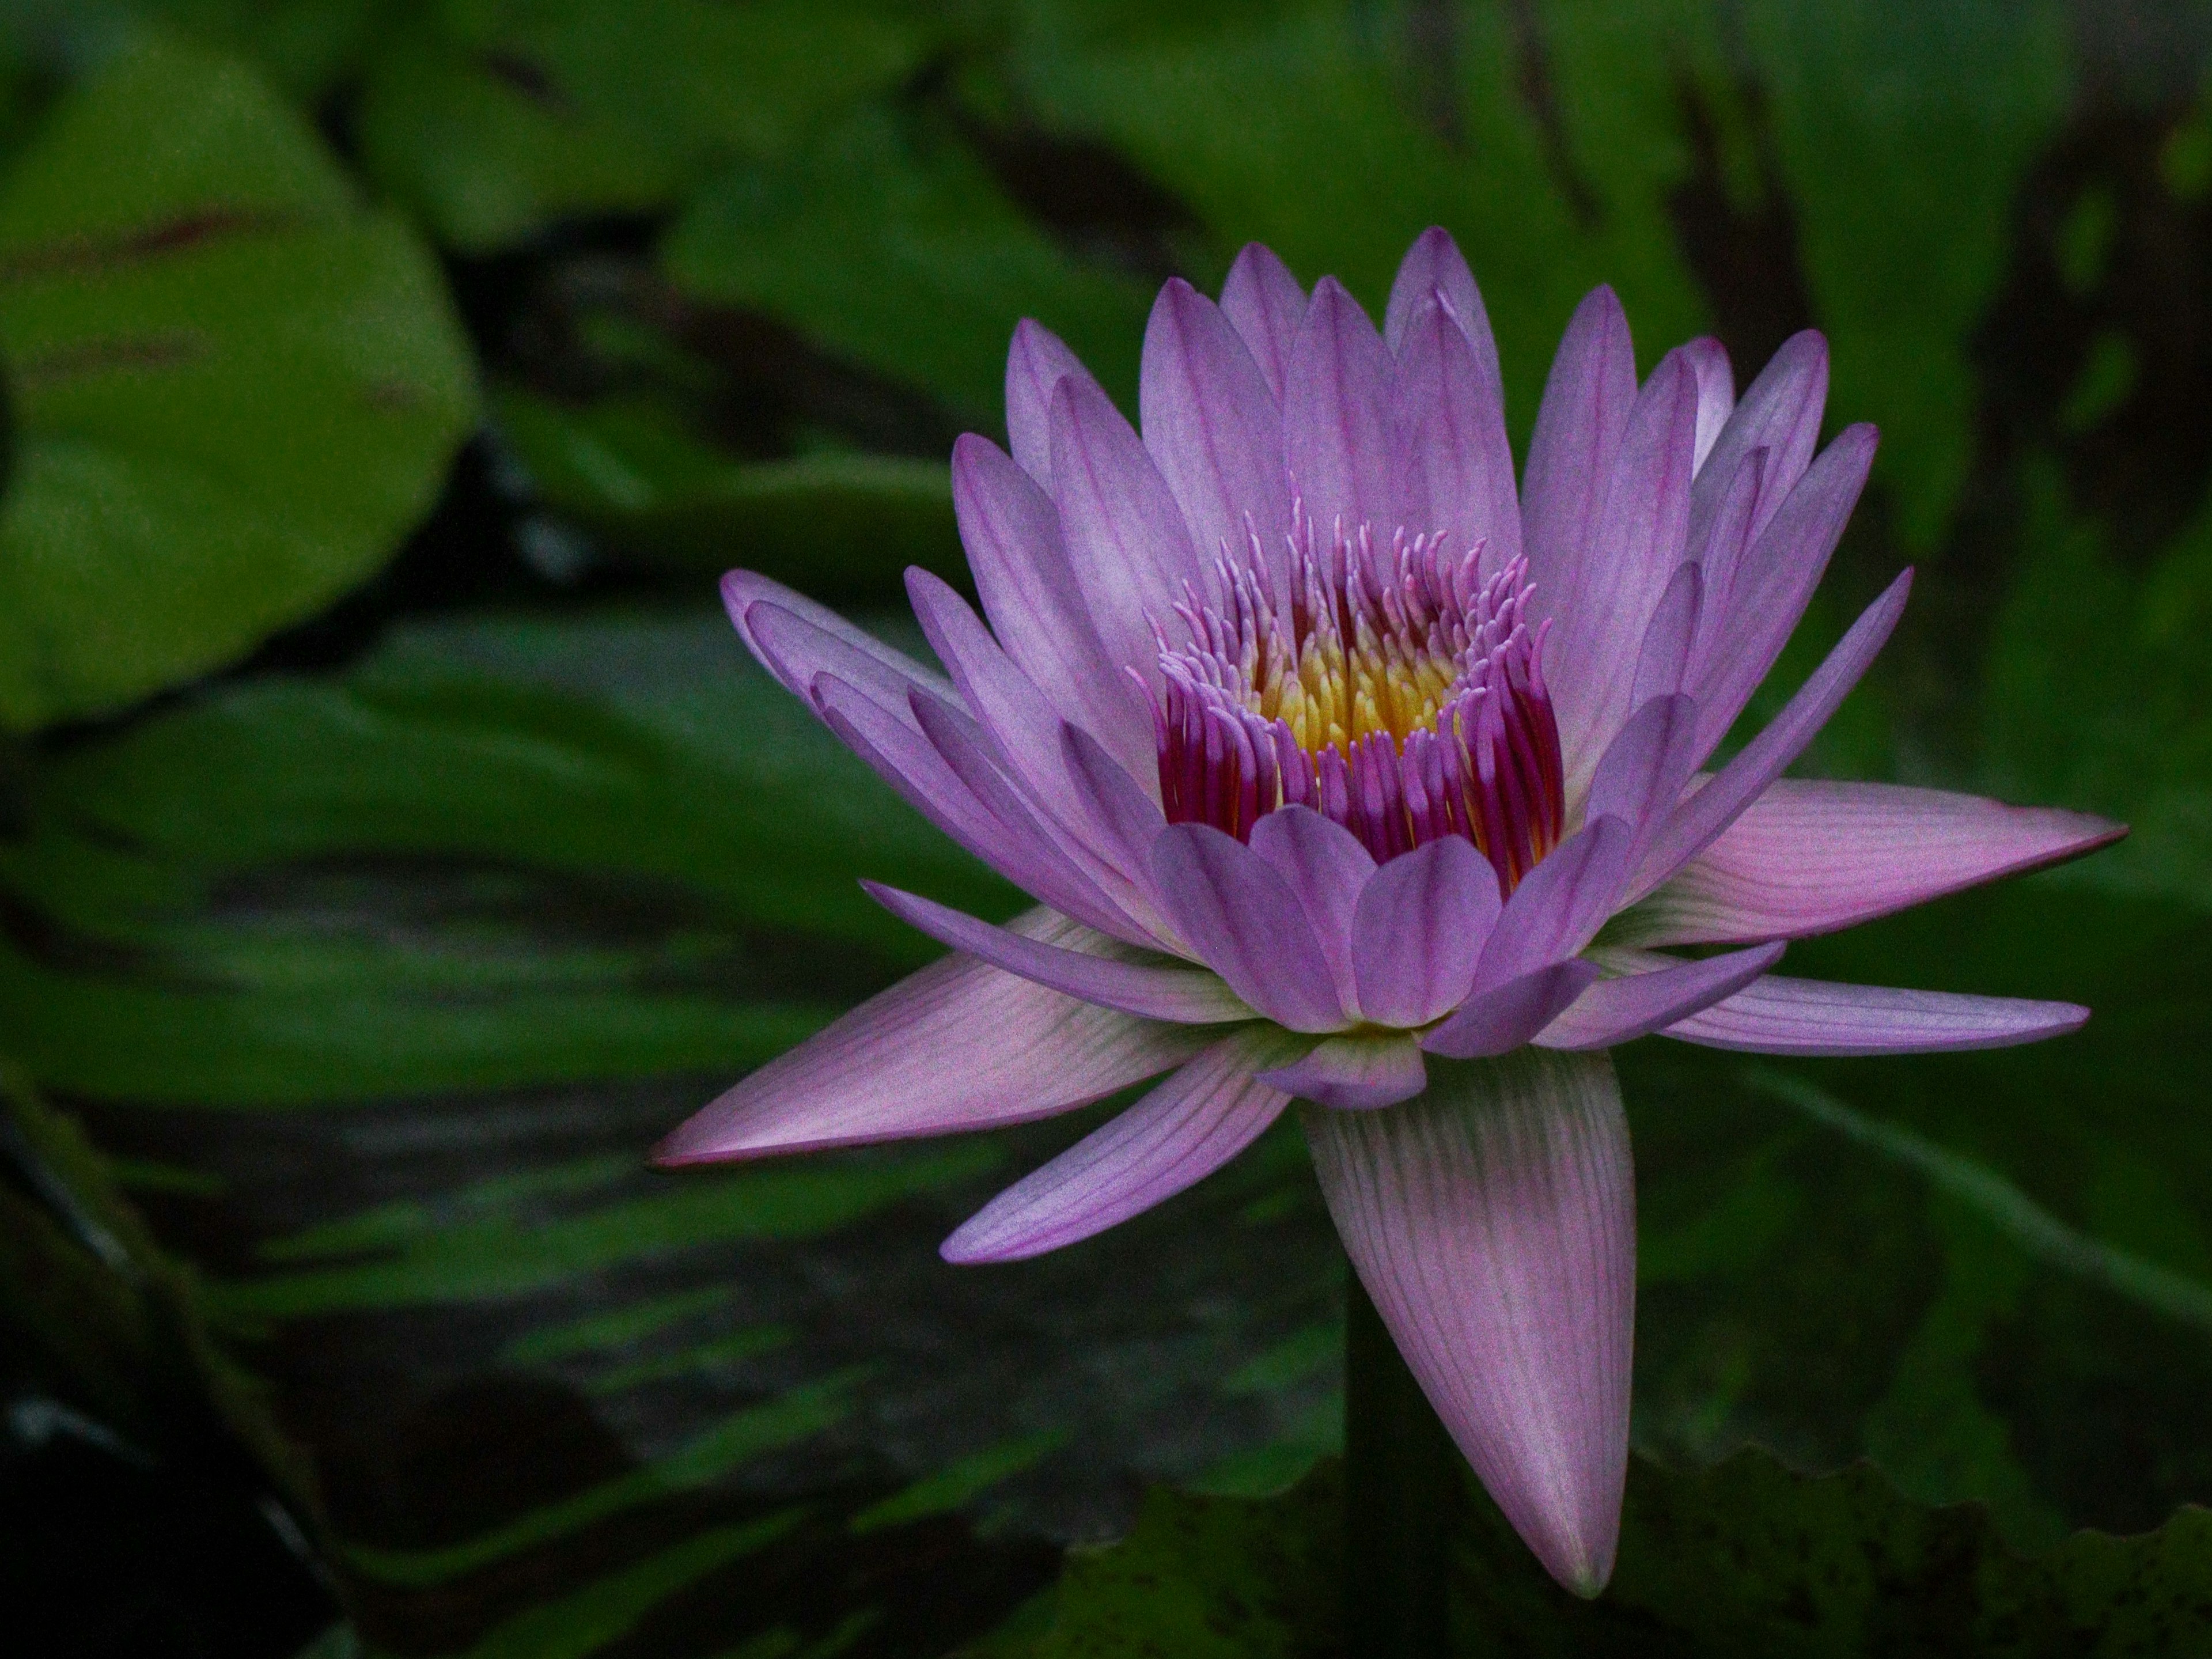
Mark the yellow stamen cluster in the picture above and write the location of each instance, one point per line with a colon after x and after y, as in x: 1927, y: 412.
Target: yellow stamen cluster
x: 1332, y: 696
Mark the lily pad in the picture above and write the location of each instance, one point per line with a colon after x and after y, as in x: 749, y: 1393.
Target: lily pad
x: 234, y: 387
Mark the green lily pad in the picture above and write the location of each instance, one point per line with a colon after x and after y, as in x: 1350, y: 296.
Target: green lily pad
x: 234, y: 387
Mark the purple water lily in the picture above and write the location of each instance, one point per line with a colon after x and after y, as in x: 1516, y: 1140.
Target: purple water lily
x: 1344, y: 773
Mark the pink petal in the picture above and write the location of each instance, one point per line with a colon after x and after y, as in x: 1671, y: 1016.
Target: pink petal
x: 1709, y: 360
x: 1781, y: 414
x: 1127, y: 543
x: 1809, y: 857
x: 1036, y: 364
x: 1694, y: 824
x: 1126, y: 818
x: 1717, y: 561
x: 1354, y: 1074
x: 1434, y: 269
x: 1779, y: 1016
x: 1775, y: 578
x: 1418, y: 929
x: 1097, y: 972
x: 1500, y: 1020
x: 1493, y: 1222
x: 1579, y: 427
x: 960, y: 1045
x: 1603, y: 596
x: 1265, y: 304
x: 1453, y: 461
x: 1560, y: 904
x: 1336, y: 417
x: 795, y: 639
x: 1012, y: 531
x: 1327, y: 867
x: 1643, y: 773
x: 1245, y: 923
x: 1662, y: 661
x: 1620, y: 1010
x: 1212, y: 426
x: 1173, y: 1137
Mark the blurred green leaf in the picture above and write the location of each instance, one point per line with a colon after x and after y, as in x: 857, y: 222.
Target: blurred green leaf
x: 233, y: 388
x: 888, y: 244
x: 493, y: 120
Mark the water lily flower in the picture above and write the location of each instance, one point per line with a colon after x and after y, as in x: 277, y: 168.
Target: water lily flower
x: 1346, y: 771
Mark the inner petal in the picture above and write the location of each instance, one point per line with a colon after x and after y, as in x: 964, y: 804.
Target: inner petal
x: 1396, y: 689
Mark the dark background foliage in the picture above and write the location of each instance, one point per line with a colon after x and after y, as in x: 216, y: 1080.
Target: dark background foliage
x: 394, y: 843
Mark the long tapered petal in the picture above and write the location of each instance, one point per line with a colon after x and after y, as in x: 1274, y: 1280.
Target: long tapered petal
x: 1620, y: 1010
x: 1709, y: 360
x: 1453, y: 461
x: 1779, y: 1016
x: 1246, y: 924
x: 1162, y: 990
x: 1693, y: 825
x: 1579, y: 426
x: 1499, y: 1020
x: 1493, y: 1223
x: 1012, y: 532
x: 1604, y: 592
x: 1418, y: 929
x: 1174, y: 1137
x: 1336, y: 416
x: 1780, y: 413
x: 960, y: 1045
x: 1643, y: 772
x: 1212, y: 426
x: 1265, y: 304
x: 1355, y: 1073
x: 1127, y: 542
x: 1810, y: 856
x: 1036, y: 362
x: 795, y: 639
x: 1662, y: 661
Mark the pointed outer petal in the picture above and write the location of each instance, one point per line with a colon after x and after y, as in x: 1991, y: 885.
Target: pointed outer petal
x: 960, y: 1045
x: 1809, y: 857
x: 1617, y: 1010
x: 1418, y: 930
x: 1717, y: 561
x: 1126, y: 817
x: 1012, y: 531
x: 1775, y: 580
x: 1779, y: 1016
x: 1173, y: 1137
x: 1327, y: 867
x: 1021, y: 726
x: 1265, y: 305
x: 1355, y: 1073
x: 1336, y: 417
x: 1493, y: 1222
x: 795, y: 639
x: 1498, y: 1021
x: 1434, y: 269
x: 1559, y: 905
x: 1780, y: 412
x: 1036, y: 362
x: 1246, y: 924
x: 1602, y: 600
x: 1662, y: 661
x: 1646, y: 770
x: 907, y: 760
x: 1212, y: 429
x: 1086, y: 886
x: 1125, y: 540
x: 1709, y: 360
x: 1578, y: 432
x: 1453, y: 462
x: 1101, y: 973
x: 1693, y: 825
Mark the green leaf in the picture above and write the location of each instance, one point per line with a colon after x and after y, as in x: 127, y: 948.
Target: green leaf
x: 889, y: 245
x: 494, y: 120
x: 1744, y: 1558
x: 233, y: 388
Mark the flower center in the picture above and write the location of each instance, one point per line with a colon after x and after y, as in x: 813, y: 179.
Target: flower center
x: 1399, y: 693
